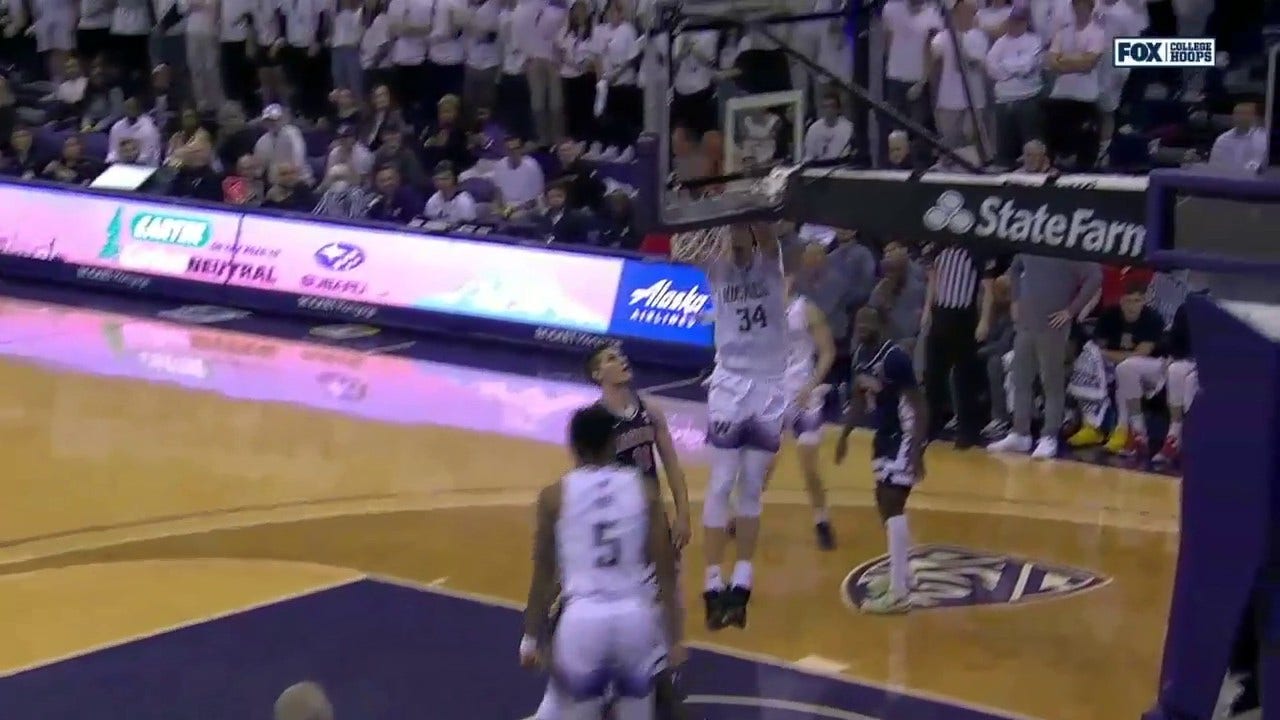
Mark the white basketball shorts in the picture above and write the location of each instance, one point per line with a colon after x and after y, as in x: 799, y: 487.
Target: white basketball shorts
x: 804, y: 415
x: 607, y: 643
x: 745, y: 411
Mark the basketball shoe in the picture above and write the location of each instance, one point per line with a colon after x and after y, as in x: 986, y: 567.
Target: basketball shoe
x: 735, y: 606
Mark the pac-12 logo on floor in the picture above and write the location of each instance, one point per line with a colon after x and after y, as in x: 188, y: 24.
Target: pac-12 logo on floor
x: 1163, y: 52
x: 950, y: 577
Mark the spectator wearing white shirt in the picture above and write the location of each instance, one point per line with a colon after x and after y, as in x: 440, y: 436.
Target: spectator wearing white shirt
x: 484, y: 55
x: 1244, y: 147
x: 910, y: 24
x: 1014, y: 66
x: 513, y: 105
x: 349, y: 151
x: 301, y: 51
x: 960, y: 108
x: 344, y: 47
x: 137, y: 126
x: 580, y: 47
x: 410, y: 25
x: 518, y: 180
x: 829, y: 136
x: 835, y: 55
x: 446, y: 51
x: 264, y: 50
x: 202, y: 53
x: 537, y: 26
x: 234, y: 26
x: 1117, y: 19
x: 375, y: 45
x: 993, y: 16
x: 619, y: 62
x: 281, y: 144
x: 694, y: 103
x: 130, y: 32
x: 1074, y: 55
x: 93, y: 30
x: 448, y: 203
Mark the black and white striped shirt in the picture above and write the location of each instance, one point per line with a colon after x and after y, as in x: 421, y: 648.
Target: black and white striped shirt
x: 959, y: 272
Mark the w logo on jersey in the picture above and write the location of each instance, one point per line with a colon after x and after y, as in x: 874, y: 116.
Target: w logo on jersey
x: 950, y: 577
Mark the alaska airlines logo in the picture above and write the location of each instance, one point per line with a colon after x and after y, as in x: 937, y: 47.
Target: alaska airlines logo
x: 950, y: 577
x: 663, y: 304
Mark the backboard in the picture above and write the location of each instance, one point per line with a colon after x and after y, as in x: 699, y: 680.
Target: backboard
x: 716, y: 139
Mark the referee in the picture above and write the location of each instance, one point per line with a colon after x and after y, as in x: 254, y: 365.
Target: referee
x: 956, y: 319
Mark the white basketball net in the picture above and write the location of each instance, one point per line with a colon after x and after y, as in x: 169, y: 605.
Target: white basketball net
x: 699, y: 247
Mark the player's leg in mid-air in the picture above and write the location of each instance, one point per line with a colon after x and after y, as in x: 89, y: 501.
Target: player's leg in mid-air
x: 746, y: 418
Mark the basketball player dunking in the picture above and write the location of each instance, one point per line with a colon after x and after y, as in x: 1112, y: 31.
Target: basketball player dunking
x: 885, y: 386
x: 601, y: 533
x: 746, y: 405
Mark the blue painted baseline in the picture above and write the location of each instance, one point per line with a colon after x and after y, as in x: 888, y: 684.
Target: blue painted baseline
x: 387, y: 651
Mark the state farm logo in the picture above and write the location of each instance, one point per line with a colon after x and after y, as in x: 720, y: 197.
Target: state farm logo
x: 1002, y: 219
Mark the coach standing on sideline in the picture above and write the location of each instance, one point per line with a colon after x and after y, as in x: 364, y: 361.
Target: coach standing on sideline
x: 956, y: 319
x: 1048, y: 295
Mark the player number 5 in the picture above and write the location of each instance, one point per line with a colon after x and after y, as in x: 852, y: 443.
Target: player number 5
x: 751, y: 318
x: 608, y: 547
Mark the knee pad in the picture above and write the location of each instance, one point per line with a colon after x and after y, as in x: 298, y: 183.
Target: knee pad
x: 725, y: 467
x: 755, y: 468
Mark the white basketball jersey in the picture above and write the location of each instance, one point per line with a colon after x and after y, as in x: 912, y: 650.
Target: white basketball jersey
x: 602, y: 534
x: 801, y: 349
x: 751, y: 316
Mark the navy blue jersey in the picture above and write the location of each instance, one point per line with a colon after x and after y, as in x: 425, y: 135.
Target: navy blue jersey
x: 884, y: 373
x: 635, y: 440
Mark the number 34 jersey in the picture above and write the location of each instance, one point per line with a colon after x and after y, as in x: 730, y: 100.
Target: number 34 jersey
x: 602, y: 534
x: 750, y: 316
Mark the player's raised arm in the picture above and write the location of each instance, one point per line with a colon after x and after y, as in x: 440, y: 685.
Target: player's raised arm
x: 666, y: 447
x: 662, y: 555
x: 766, y: 238
x: 542, y: 588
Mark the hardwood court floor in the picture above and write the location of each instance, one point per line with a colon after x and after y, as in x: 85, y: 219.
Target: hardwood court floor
x: 159, y: 475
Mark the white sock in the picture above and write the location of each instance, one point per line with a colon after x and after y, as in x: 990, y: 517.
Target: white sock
x: 820, y: 516
x: 742, y: 574
x: 899, y: 554
x: 713, y: 581
x: 1138, y: 423
x: 1175, y: 429
x: 1122, y: 414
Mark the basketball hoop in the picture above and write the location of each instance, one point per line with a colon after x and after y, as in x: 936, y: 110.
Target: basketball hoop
x: 699, y: 247
x: 773, y: 187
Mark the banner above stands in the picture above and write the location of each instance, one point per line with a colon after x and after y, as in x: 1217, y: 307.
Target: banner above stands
x: 1100, y: 218
x: 396, y: 277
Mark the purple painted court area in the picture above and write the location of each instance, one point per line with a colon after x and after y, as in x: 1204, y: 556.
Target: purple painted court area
x: 387, y: 652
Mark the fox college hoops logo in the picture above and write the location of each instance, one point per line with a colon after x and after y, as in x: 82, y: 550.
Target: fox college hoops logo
x: 953, y: 577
